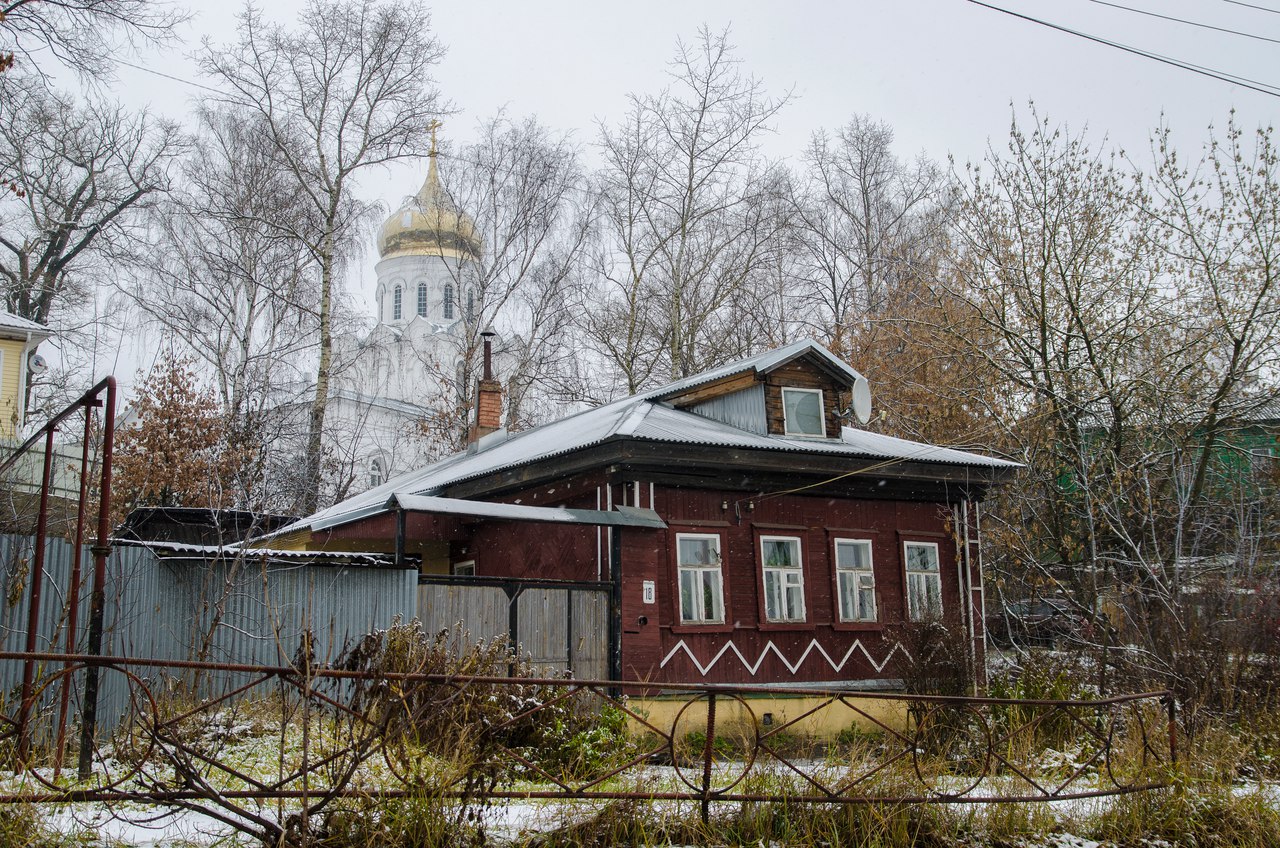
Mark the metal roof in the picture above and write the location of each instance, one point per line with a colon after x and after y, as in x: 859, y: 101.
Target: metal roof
x: 644, y: 418
x: 184, y: 550
x: 624, y: 516
x: 761, y: 363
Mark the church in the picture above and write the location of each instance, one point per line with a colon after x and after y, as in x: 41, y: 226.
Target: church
x: 403, y: 393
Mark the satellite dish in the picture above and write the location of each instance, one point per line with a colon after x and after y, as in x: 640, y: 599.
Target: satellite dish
x: 36, y: 364
x: 862, y: 400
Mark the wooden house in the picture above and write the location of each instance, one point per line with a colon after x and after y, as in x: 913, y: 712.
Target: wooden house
x: 747, y: 527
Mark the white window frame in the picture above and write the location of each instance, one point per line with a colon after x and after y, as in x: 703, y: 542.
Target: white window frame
x: 851, y: 581
x: 397, y: 303
x: 782, y: 582
x: 698, y: 573
x: 929, y: 582
x: 421, y: 305
x: 822, y: 413
x: 466, y: 568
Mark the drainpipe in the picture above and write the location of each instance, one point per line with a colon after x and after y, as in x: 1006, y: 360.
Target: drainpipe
x: 615, y: 605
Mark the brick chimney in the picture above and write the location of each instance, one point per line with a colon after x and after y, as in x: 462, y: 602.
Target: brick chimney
x: 488, y: 395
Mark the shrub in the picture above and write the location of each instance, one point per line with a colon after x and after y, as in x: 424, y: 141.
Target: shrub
x: 454, y: 716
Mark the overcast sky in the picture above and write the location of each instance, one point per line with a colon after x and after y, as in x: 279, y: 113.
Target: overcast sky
x: 945, y: 74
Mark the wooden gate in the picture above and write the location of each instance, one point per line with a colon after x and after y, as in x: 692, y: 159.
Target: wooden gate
x: 559, y: 626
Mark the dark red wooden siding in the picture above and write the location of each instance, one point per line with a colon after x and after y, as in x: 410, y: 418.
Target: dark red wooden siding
x: 745, y: 648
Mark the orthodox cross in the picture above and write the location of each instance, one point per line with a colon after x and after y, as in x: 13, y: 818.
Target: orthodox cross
x: 433, y: 126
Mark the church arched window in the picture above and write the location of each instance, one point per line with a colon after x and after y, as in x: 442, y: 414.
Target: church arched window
x: 471, y: 305
x: 422, y: 299
x: 397, y: 304
x: 375, y: 473
x: 448, y: 301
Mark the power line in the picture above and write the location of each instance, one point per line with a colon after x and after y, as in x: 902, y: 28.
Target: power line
x: 1251, y: 6
x: 1221, y: 76
x: 1187, y: 22
x: 169, y: 76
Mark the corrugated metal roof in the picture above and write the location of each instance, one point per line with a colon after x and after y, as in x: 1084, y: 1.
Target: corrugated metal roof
x: 760, y: 363
x: 640, y: 417
x: 624, y: 517
x: 231, y: 551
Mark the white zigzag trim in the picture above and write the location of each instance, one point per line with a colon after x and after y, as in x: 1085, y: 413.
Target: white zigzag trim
x: 793, y: 667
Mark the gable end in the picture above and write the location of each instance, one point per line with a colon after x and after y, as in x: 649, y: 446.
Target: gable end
x: 802, y: 375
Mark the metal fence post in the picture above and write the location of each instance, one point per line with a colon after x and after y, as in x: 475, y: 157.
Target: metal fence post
x: 33, y: 612
x: 708, y: 751
x: 97, y: 599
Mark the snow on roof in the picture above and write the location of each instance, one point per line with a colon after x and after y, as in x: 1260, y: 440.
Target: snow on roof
x: 760, y: 363
x: 624, y: 516
x: 644, y: 418
x: 495, y: 452
x: 183, y: 549
x: 9, y: 321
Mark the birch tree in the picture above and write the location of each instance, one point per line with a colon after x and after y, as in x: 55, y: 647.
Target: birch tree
x: 521, y: 185
x: 226, y: 282
x: 864, y: 220
x: 690, y: 216
x: 346, y: 91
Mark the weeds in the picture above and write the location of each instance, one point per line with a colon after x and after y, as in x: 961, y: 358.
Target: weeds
x: 22, y: 827
x: 1207, y: 815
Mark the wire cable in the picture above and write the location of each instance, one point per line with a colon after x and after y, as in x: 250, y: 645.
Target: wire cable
x: 1187, y: 22
x: 145, y: 69
x: 1251, y: 6
x: 1221, y: 76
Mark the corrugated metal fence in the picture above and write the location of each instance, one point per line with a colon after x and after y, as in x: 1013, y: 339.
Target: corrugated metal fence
x: 252, y: 610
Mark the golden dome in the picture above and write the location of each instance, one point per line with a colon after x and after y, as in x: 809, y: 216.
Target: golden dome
x: 429, y: 224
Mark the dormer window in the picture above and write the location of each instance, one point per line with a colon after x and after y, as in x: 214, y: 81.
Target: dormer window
x: 802, y: 412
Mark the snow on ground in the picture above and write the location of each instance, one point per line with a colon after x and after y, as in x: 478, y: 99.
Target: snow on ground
x: 139, y: 828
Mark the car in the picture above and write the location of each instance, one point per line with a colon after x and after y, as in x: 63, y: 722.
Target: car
x: 1044, y: 622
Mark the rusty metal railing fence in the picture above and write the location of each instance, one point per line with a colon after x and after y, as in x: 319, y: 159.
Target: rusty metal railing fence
x: 102, y: 396
x: 393, y: 735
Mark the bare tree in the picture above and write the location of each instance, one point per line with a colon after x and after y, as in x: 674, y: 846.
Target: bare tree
x: 864, y: 219
x: 1220, y: 227
x: 690, y: 216
x: 1052, y: 265
x: 521, y: 187
x: 1130, y: 322
x: 225, y: 281
x: 80, y: 176
x: 83, y: 35
x: 348, y: 90
x: 78, y: 179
